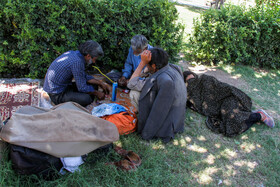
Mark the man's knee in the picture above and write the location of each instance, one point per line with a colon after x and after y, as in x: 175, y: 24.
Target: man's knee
x: 83, y: 100
x: 134, y: 97
x: 80, y: 98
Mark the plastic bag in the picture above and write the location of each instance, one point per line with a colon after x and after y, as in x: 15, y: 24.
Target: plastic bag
x: 107, y: 109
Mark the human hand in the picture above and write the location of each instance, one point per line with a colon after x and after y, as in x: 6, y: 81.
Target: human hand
x: 122, y: 81
x: 105, y: 88
x: 189, y: 77
x: 146, y: 57
x: 99, y: 95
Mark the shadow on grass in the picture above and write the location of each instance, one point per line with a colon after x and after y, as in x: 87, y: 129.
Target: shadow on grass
x: 194, y: 158
x: 200, y: 157
x: 263, y: 86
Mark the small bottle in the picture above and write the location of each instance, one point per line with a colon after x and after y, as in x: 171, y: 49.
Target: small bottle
x: 114, y: 91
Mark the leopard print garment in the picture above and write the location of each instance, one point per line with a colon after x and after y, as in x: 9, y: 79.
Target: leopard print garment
x: 226, y: 107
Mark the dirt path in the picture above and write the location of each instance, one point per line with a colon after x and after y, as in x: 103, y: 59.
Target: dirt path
x: 205, y: 4
x: 219, y: 74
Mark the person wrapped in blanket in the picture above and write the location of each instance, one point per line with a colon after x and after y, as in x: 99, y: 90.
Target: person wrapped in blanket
x: 227, y: 108
x: 161, y: 96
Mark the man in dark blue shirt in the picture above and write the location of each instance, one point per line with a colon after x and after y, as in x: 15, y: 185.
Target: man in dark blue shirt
x: 71, y: 64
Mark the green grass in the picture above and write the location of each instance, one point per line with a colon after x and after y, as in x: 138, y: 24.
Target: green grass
x: 196, y: 157
x: 186, y: 16
x: 264, y: 85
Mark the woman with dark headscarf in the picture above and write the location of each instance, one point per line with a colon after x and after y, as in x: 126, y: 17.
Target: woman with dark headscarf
x: 227, y: 108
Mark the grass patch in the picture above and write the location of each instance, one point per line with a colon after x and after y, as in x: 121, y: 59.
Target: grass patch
x: 186, y: 16
x: 263, y: 86
x: 196, y: 157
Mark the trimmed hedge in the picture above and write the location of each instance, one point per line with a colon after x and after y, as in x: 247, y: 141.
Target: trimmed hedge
x: 235, y: 35
x: 34, y: 32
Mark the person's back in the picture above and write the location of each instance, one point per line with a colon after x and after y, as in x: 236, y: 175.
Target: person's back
x: 207, y: 95
x: 162, y: 101
x: 57, y: 82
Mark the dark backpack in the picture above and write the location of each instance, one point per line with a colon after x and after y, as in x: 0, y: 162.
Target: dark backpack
x: 26, y: 161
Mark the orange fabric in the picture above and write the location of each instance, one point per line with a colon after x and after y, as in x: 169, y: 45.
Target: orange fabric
x: 124, y: 121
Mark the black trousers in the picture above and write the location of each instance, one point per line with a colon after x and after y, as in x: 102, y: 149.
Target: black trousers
x: 253, y: 118
x: 71, y: 94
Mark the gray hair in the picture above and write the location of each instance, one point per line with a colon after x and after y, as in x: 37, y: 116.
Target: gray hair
x: 139, y: 42
x: 92, y: 48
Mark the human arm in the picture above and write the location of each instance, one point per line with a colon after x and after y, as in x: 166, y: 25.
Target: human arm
x: 136, y: 82
x: 128, y: 65
x: 98, y: 94
x: 104, y: 86
x: 81, y: 78
x: 145, y: 59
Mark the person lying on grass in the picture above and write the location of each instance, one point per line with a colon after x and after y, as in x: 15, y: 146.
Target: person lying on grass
x: 227, y: 108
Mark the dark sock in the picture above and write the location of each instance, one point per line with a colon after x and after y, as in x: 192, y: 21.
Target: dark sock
x: 253, y: 118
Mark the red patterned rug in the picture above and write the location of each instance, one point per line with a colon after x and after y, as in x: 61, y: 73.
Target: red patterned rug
x: 16, y: 95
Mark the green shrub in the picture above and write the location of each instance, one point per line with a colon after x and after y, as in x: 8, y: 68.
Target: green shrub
x: 235, y: 35
x: 267, y: 2
x: 34, y: 32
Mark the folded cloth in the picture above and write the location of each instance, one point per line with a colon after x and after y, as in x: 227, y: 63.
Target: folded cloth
x: 114, y: 76
x: 107, y: 109
x: 71, y: 164
x: 124, y: 121
x: 1, y: 123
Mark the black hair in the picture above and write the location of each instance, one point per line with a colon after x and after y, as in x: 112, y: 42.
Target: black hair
x: 159, y: 58
x: 92, y: 48
x: 187, y: 73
